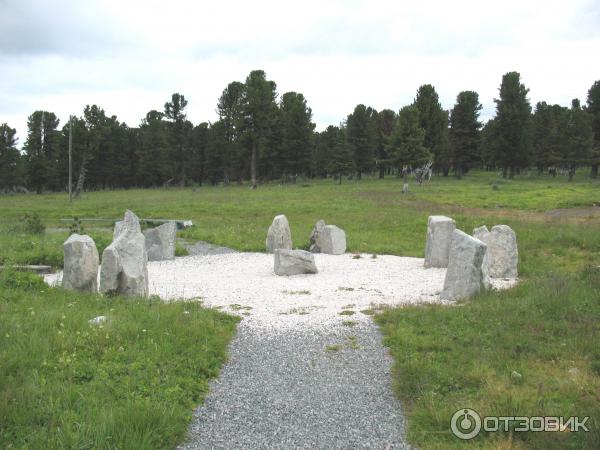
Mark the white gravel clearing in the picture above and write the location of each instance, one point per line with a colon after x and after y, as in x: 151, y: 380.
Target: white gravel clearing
x: 245, y: 284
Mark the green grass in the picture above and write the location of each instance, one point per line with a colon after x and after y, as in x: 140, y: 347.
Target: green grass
x: 238, y: 217
x: 130, y: 383
x: 445, y: 358
x: 452, y: 358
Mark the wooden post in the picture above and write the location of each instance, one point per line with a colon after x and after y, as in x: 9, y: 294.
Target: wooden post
x: 70, y: 158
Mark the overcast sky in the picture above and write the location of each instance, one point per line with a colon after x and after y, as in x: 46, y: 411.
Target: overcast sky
x: 130, y: 56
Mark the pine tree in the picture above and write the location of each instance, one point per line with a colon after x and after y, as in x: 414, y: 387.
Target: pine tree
x: 579, y: 138
x: 513, y: 115
x: 260, y: 122
x: 386, y: 122
x: 180, y: 130
x: 152, y: 150
x: 593, y: 107
x: 297, y: 134
x: 407, y: 143
x: 41, y: 149
x: 434, y: 120
x: 231, y: 115
x: 361, y: 138
x: 340, y: 162
x: 464, y: 132
x: 11, y: 169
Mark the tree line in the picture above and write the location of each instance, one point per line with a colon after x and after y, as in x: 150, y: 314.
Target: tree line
x: 261, y: 136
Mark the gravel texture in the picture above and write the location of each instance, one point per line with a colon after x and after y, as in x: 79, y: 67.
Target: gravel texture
x: 245, y: 284
x: 298, y: 389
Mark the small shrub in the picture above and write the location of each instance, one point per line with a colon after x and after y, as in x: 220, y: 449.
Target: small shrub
x: 180, y: 250
x: 14, y: 279
x: 101, y: 242
x: 31, y: 223
x: 591, y: 274
x: 76, y: 226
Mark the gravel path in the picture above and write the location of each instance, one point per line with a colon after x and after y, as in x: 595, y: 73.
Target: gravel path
x: 303, y: 389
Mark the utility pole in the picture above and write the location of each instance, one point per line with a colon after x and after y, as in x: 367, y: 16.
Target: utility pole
x: 70, y: 157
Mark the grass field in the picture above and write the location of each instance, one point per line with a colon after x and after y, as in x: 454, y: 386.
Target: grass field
x: 445, y: 358
x: 129, y: 383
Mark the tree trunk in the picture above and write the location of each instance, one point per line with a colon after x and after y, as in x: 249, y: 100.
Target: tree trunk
x: 381, y: 172
x: 81, y: 178
x: 359, y: 175
x: 594, y: 172
x: 253, y: 165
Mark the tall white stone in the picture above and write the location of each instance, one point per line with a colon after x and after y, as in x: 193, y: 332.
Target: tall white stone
x: 160, y: 242
x: 279, y: 235
x: 328, y: 239
x: 80, y: 272
x: 502, y: 257
x: 314, y: 236
x: 439, y: 237
x: 124, y: 262
x: 465, y: 276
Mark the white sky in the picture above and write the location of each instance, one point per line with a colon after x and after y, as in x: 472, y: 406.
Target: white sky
x: 129, y: 56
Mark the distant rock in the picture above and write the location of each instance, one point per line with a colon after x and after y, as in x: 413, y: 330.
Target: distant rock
x: 80, y: 272
x: 97, y: 320
x: 516, y: 377
x: 294, y: 262
x: 439, y: 237
x: 328, y: 239
x: 279, y: 235
x: 160, y: 242
x: 124, y: 262
x: 465, y: 276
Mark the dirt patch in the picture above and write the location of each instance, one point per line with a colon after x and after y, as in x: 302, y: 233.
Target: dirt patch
x: 394, y: 198
x: 590, y: 212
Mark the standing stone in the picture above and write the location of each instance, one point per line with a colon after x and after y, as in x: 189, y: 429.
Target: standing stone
x: 465, y: 276
x: 480, y: 232
x: 279, y: 235
x: 314, y: 235
x: 80, y: 271
x: 327, y: 239
x: 294, y: 262
x: 439, y: 238
x: 124, y: 262
x: 160, y: 242
x: 118, y: 229
x: 502, y: 256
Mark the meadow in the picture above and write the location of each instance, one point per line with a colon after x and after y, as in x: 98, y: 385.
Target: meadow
x: 547, y: 329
